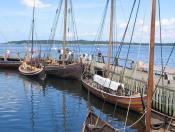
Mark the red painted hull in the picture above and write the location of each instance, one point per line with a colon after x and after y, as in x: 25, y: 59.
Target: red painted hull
x: 123, y: 101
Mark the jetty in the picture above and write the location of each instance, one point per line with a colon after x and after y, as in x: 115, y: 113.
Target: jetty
x: 136, y: 80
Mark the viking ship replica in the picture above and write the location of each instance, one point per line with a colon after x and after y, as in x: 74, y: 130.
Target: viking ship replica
x: 90, y: 124
x: 31, y: 65
x: 68, y: 65
x: 106, y: 88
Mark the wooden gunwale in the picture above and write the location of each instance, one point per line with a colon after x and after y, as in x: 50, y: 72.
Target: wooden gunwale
x: 72, y: 71
x: 123, y: 101
x: 93, y: 119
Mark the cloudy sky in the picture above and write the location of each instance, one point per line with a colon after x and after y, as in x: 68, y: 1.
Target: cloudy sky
x: 15, y: 19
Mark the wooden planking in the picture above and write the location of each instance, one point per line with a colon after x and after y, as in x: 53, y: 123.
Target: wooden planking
x: 164, y: 97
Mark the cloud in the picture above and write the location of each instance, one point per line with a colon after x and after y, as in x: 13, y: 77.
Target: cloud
x: 166, y: 22
x: 123, y: 25
x: 85, y: 5
x: 38, y: 3
x: 168, y: 27
x: 88, y: 21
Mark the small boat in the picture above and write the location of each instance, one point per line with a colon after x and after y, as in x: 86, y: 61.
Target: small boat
x: 114, y: 96
x: 32, y: 71
x: 32, y: 66
x: 93, y: 123
x: 9, y: 63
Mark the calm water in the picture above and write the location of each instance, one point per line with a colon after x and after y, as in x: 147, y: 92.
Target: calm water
x: 53, y: 106
x: 136, y: 52
x: 58, y: 105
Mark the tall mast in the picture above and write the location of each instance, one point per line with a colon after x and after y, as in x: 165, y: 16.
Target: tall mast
x: 110, y: 35
x: 150, y: 87
x: 33, y: 26
x: 65, y: 32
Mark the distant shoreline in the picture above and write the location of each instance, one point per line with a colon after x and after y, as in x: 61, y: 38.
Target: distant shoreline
x: 81, y: 42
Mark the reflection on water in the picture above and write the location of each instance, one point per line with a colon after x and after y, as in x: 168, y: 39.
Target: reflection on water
x: 53, y: 106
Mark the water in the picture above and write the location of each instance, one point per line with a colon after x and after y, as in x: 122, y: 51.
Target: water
x: 135, y: 54
x: 53, y: 106
x: 58, y: 105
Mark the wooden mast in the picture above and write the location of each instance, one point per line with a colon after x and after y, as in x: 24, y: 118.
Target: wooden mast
x: 150, y: 87
x: 33, y: 26
x: 110, y: 36
x: 65, y: 32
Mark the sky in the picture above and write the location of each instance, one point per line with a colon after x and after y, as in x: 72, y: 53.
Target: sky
x: 16, y: 16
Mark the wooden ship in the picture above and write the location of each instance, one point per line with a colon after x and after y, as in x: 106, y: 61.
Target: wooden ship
x: 31, y: 66
x: 66, y: 66
x: 90, y: 124
x: 111, y: 91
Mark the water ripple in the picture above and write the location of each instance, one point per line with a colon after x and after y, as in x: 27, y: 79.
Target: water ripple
x: 27, y: 105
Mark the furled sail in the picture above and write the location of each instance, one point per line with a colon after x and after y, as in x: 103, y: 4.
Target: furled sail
x: 107, y: 82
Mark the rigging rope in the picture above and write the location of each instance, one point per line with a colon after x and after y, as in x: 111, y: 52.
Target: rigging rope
x: 75, y: 34
x: 100, y: 29
x: 127, y: 113
x: 138, y: 7
x: 54, y: 26
x: 165, y: 66
x: 126, y: 29
x: 162, y: 63
x: 133, y: 124
x: 139, y: 50
x: 99, y: 32
x: 123, y: 38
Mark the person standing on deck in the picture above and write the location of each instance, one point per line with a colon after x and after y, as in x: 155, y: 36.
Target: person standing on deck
x: 100, y: 56
x: 60, y: 51
x: 7, y: 54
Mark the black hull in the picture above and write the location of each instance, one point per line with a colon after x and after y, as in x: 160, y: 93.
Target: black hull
x: 71, y: 71
x: 9, y: 65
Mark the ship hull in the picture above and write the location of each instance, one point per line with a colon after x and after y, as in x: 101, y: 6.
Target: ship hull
x: 71, y: 71
x: 10, y: 63
x: 37, y: 74
x: 94, y: 124
x: 136, y: 103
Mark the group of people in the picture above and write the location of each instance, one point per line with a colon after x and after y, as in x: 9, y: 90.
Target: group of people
x: 69, y: 56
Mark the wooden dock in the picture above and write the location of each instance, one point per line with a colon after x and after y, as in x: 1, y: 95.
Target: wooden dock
x: 164, y: 96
